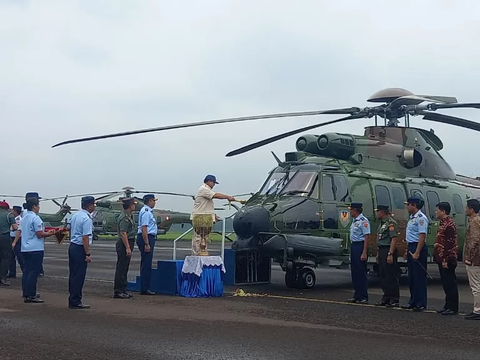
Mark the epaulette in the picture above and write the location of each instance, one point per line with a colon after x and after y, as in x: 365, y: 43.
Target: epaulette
x: 146, y: 209
x: 363, y: 219
x: 419, y: 215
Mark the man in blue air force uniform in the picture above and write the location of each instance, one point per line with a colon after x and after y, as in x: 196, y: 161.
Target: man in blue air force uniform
x: 81, y: 236
x: 33, y: 247
x: 359, y: 235
x: 33, y: 194
x: 146, y: 237
x: 416, y: 254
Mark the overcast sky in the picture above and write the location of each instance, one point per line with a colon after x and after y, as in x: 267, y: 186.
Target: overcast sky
x: 71, y: 69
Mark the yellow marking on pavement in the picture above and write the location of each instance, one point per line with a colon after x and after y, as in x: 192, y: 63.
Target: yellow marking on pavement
x: 335, y: 302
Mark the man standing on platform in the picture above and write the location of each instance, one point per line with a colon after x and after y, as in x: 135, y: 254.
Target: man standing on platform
x: 81, y: 236
x: 387, y: 235
x: 359, y: 235
x: 146, y: 237
x: 124, y: 246
x: 445, y: 255
x: 416, y: 254
x: 203, y: 205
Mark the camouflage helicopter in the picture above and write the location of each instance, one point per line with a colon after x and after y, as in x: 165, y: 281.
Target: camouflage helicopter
x: 51, y: 220
x: 300, y: 218
x: 107, y: 211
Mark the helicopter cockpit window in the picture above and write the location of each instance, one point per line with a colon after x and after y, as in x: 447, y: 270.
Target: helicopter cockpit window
x: 275, y: 183
x: 301, y: 183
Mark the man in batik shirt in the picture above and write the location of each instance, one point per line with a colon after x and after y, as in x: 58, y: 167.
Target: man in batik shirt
x: 445, y: 255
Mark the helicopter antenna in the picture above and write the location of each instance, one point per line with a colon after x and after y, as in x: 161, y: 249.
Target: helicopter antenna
x: 279, y: 162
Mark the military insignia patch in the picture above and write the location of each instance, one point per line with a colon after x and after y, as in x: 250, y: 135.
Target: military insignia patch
x: 421, y: 222
x: 365, y: 224
x: 391, y: 228
x: 344, y: 218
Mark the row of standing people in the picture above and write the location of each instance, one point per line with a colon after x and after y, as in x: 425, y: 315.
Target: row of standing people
x: 416, y: 254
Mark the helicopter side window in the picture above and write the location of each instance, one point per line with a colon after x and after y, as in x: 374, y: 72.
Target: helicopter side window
x: 327, y: 188
x: 457, y: 204
x: 433, y: 200
x: 301, y: 183
x: 398, y: 198
x: 383, y: 196
x: 341, y: 189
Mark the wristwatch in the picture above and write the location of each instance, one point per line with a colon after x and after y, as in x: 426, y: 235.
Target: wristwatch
x: 87, y: 254
x: 389, y: 253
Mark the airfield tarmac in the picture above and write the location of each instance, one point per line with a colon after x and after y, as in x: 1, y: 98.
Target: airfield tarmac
x: 285, y: 324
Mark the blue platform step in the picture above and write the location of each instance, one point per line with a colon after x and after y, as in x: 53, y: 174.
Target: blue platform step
x: 166, y: 278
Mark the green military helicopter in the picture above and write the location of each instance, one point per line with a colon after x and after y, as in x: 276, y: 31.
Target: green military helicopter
x: 107, y: 211
x: 54, y: 220
x: 300, y: 218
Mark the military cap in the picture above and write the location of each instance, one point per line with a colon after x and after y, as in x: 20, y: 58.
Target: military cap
x: 32, y: 201
x: 32, y: 195
x: 4, y: 205
x: 129, y: 201
x: 382, y: 208
x: 414, y: 200
x: 17, y: 208
x: 355, y: 205
x: 210, y: 178
x: 86, y: 200
x: 149, y: 197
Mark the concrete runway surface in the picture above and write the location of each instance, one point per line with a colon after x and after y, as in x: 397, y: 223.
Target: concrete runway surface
x: 280, y: 324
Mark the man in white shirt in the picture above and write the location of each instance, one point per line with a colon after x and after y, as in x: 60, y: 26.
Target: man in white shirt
x: 203, y: 205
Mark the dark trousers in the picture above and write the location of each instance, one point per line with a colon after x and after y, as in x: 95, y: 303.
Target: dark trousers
x: 388, y: 276
x: 146, y: 261
x: 5, y: 254
x: 16, y: 256
x: 449, y: 282
x: 417, y: 277
x: 359, y: 271
x: 123, y: 263
x: 32, y: 264
x: 78, y: 270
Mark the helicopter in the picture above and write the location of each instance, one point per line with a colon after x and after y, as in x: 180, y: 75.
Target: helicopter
x: 107, y: 211
x: 300, y: 219
x: 52, y: 220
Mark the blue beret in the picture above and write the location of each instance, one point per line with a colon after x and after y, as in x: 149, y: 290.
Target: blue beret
x: 17, y: 208
x: 149, y: 197
x: 210, y: 178
x: 356, y: 205
x: 32, y: 195
x: 88, y: 200
x: 414, y: 200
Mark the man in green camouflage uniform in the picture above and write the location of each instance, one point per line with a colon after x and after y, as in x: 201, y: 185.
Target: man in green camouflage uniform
x: 127, y: 232
x: 387, y: 235
x: 7, y: 222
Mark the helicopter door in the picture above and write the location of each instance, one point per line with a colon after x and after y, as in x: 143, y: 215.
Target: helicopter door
x: 335, y: 200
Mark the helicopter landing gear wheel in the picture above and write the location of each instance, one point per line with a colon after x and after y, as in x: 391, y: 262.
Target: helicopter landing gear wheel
x: 306, y: 279
x: 291, y: 279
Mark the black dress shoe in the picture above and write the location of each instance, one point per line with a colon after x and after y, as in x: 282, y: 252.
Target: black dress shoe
x: 79, y: 306
x: 472, y: 316
x: 393, y: 305
x: 440, y: 311
x: 34, y: 300
x: 381, y: 303
x: 351, y: 300
x: 363, y: 301
x: 407, y: 307
x: 129, y: 295
x: 121, y: 296
x: 450, y: 312
x: 148, y: 292
x: 418, y: 308
x: 4, y: 282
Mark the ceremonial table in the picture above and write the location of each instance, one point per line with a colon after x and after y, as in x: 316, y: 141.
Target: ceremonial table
x: 202, y: 276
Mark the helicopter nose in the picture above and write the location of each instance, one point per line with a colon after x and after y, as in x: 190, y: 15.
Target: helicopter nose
x: 250, y: 221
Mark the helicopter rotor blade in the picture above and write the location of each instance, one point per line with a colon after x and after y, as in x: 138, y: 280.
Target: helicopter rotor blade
x: 56, y: 202
x: 435, y: 107
x: 451, y: 120
x: 13, y: 196
x: 287, y: 134
x: 345, y: 111
x: 164, y: 193
x: 64, y: 200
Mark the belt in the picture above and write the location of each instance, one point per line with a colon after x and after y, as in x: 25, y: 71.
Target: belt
x: 360, y: 241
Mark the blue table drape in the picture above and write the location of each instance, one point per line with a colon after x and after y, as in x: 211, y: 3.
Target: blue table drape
x: 208, y: 284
